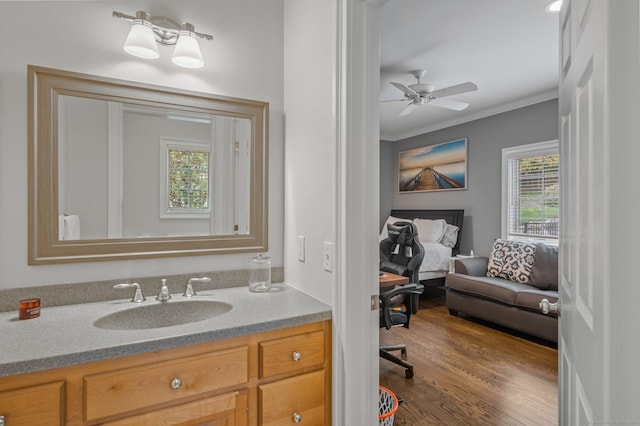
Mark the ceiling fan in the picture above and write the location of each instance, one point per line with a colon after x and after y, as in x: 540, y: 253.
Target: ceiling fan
x: 424, y: 94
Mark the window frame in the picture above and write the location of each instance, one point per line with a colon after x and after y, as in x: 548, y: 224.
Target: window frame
x: 167, y: 144
x: 518, y: 152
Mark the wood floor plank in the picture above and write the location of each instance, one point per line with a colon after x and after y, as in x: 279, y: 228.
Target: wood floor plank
x: 470, y: 373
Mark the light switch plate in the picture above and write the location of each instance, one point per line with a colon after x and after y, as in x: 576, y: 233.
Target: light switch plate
x: 327, y: 256
x: 301, y: 248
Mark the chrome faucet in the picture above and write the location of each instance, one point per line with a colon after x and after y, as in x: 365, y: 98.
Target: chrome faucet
x: 138, y: 297
x: 164, y: 294
x: 189, y: 291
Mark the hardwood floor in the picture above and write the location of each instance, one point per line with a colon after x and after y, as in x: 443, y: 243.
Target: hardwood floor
x: 470, y: 373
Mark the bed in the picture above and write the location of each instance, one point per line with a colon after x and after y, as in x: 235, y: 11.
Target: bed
x: 438, y: 250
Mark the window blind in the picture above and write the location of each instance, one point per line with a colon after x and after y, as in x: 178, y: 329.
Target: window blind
x: 533, y: 196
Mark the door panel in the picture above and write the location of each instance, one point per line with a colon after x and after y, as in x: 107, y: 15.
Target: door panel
x: 583, y: 154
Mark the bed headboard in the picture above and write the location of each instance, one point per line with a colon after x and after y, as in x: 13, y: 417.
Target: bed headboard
x: 453, y: 217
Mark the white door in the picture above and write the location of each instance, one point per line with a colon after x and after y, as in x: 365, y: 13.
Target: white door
x: 599, y: 112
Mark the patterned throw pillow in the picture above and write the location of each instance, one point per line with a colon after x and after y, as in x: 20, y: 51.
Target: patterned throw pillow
x: 511, y: 260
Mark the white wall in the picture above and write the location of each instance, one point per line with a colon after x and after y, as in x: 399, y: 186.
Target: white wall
x: 82, y: 151
x: 141, y: 191
x: 310, y: 155
x: 244, y: 60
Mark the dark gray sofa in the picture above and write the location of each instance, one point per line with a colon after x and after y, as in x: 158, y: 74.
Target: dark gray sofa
x: 507, y: 303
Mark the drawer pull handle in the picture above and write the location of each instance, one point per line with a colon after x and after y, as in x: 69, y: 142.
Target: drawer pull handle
x: 176, y: 383
x: 297, y: 356
x: 297, y: 418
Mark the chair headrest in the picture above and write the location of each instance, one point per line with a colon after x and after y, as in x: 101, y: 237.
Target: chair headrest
x: 402, y: 236
x: 401, y: 233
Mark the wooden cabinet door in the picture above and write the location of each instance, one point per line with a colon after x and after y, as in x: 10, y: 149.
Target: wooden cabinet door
x: 222, y: 410
x: 33, y: 405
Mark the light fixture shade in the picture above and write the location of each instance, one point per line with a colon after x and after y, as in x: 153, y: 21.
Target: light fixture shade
x: 554, y: 6
x: 187, y: 52
x: 141, y: 42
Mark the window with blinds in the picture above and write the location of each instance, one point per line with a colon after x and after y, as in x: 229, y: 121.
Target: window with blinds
x: 531, y: 178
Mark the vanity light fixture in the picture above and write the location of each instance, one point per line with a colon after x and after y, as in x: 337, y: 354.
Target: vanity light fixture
x: 147, y: 31
x: 553, y: 7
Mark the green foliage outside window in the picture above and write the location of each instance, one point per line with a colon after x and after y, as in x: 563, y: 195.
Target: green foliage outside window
x: 188, y: 179
x: 538, y: 195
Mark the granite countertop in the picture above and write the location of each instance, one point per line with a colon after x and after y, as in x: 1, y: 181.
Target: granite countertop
x: 66, y: 335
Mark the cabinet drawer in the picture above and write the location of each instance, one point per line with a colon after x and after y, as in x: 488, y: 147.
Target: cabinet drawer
x: 222, y: 410
x: 34, y: 405
x: 279, y: 356
x: 116, y: 392
x: 303, y: 395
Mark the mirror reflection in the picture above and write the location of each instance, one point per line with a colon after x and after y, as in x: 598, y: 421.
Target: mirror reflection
x: 122, y: 170
x: 136, y: 171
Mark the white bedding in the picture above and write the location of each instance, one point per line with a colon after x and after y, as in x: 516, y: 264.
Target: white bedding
x: 436, y: 257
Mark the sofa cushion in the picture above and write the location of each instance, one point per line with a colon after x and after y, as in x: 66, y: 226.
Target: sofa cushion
x: 511, y: 260
x: 544, y: 274
x: 530, y: 298
x: 490, y: 288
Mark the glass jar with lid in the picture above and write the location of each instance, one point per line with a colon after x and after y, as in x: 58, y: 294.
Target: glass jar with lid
x: 259, y: 273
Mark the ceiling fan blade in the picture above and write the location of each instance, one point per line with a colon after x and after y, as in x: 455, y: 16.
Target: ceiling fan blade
x: 406, y: 90
x: 453, y: 90
x: 395, y: 100
x: 449, y: 104
x: 407, y: 109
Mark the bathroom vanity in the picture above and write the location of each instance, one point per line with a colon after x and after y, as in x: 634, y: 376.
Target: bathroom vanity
x: 266, y: 361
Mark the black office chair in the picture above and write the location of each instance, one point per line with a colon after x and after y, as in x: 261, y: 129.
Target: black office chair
x: 401, y: 253
x: 394, y: 314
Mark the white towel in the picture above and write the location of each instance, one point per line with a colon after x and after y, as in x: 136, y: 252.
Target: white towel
x: 61, y: 227
x: 69, y: 227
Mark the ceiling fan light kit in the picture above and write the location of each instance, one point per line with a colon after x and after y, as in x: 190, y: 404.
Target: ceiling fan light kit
x: 424, y: 94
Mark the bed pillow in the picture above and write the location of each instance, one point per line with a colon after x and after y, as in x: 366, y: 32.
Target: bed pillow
x: 430, y: 230
x: 450, y: 236
x: 511, y: 260
x: 390, y: 220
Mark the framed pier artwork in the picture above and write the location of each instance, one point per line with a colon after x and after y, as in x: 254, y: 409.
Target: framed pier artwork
x: 441, y: 167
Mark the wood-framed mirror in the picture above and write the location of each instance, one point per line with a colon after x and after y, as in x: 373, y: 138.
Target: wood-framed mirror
x: 125, y: 170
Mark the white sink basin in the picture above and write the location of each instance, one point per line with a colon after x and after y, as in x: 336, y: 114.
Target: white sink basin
x: 164, y: 314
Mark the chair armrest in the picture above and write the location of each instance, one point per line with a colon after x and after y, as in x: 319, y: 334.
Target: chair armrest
x: 394, y: 268
x: 474, y: 266
x: 385, y: 300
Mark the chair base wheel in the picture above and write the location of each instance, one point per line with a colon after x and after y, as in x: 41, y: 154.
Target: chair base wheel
x: 385, y: 353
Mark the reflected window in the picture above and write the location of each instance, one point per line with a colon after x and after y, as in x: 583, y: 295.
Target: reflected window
x: 188, y: 180
x: 185, y: 192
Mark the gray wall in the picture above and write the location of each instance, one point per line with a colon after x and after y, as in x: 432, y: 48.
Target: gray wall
x: 485, y: 140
